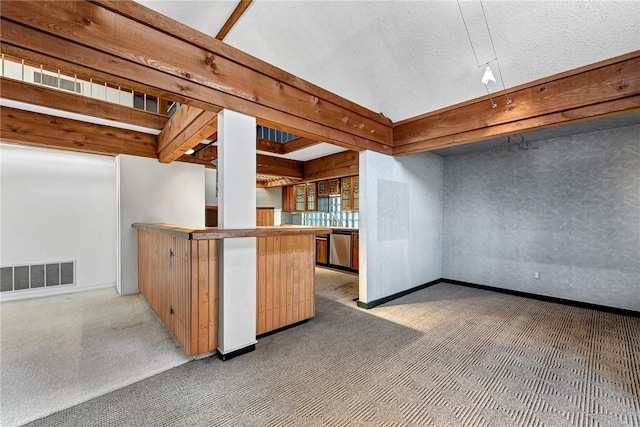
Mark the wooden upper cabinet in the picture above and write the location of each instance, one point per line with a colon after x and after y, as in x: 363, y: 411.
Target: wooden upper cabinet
x: 345, y: 196
x: 301, y: 197
x: 288, y: 198
x: 312, y: 200
x: 350, y: 193
x: 356, y: 192
x: 323, y: 188
x: 304, y: 197
x: 333, y: 187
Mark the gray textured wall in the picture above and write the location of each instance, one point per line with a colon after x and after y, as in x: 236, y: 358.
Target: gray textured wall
x: 569, y: 210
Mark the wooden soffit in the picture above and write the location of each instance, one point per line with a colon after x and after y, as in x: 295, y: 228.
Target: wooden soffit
x: 598, y: 90
x: 143, y: 49
x: 332, y: 166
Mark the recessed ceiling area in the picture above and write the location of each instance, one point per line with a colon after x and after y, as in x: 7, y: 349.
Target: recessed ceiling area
x: 546, y: 134
x: 309, y: 153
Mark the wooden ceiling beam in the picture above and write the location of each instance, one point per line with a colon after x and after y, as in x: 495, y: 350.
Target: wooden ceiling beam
x: 167, y: 25
x: 278, y: 166
x: 600, y: 89
x: 268, y: 165
x: 186, y: 129
x: 201, y: 65
x: 591, y: 112
x: 333, y: 166
x: 207, y: 153
x: 298, y: 144
x: 79, y: 104
x: 276, y: 183
x: 233, y: 19
x: 269, y: 146
x: 29, y: 128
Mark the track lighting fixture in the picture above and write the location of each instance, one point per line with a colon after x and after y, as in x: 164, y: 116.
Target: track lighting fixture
x: 487, y: 76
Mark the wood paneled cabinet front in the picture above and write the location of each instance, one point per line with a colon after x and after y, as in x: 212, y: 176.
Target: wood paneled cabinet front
x: 330, y: 187
x: 355, y: 250
x: 300, y: 197
x: 288, y: 198
x: 321, y: 250
x: 350, y: 193
x: 312, y: 200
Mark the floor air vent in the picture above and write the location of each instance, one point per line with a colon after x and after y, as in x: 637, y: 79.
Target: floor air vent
x: 37, y: 276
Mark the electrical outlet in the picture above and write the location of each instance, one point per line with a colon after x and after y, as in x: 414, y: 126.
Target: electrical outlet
x: 536, y: 275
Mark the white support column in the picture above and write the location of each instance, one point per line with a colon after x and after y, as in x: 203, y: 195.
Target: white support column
x: 237, y: 210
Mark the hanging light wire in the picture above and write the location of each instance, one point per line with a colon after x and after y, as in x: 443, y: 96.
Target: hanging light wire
x: 495, y: 55
x: 475, y: 55
x: 468, y: 34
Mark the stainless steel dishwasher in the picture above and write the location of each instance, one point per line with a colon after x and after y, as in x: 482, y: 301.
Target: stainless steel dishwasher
x: 340, y: 248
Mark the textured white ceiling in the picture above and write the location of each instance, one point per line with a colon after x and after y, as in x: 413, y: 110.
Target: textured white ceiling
x: 405, y: 58
x: 309, y: 153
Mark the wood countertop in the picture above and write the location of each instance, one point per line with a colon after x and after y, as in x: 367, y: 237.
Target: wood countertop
x: 212, y: 233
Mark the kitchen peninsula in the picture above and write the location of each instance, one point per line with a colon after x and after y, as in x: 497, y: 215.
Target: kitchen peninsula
x: 178, y: 276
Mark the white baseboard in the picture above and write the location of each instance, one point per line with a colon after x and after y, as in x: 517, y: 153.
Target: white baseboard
x: 47, y: 292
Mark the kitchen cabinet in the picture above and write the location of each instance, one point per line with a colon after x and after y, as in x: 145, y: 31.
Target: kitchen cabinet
x: 329, y: 187
x: 312, y: 200
x: 333, y: 187
x: 355, y: 250
x: 211, y: 216
x: 323, y: 188
x: 300, y: 197
x: 356, y: 193
x: 288, y: 198
x: 350, y: 193
x: 300, y: 192
x: 265, y: 216
x: 321, y: 250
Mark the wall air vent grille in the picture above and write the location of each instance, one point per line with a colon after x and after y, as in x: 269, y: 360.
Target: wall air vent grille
x: 56, y: 82
x: 37, y: 276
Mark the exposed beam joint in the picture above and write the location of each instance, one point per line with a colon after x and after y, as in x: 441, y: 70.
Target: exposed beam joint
x: 186, y: 129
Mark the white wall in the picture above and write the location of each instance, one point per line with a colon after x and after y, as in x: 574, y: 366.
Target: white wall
x: 210, y: 181
x: 400, y: 222
x: 58, y: 206
x: 265, y: 197
x: 269, y: 197
x: 150, y: 191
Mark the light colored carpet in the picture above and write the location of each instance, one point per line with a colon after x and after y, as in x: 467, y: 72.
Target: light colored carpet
x: 56, y: 352
x: 444, y: 356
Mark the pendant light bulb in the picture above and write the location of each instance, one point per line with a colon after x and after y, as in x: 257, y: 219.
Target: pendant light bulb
x: 488, y: 75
